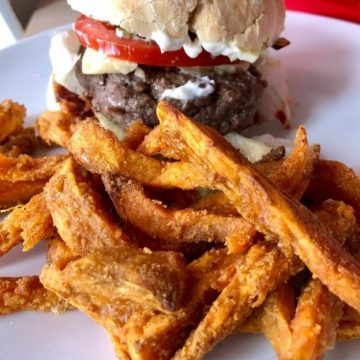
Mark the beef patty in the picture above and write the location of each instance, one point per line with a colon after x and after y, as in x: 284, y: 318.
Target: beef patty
x: 126, y: 98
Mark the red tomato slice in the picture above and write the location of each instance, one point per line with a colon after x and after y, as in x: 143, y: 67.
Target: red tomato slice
x: 102, y: 37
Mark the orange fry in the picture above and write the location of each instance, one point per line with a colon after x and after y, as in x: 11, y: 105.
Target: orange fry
x: 29, y: 224
x: 79, y: 212
x: 27, y: 293
x: 154, y: 279
x: 171, y: 225
x: 102, y: 152
x: 349, y: 326
x: 21, y: 143
x: 273, y: 319
x: 158, y: 336
x: 23, y: 177
x: 314, y: 325
x: 26, y: 168
x: 319, y: 311
x: 265, y: 267
x: 19, y: 192
x: 12, y: 117
x: 334, y: 180
x: 56, y: 127
x: 267, y: 208
x: 135, y: 134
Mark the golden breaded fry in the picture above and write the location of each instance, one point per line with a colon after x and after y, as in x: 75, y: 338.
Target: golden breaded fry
x: 79, y: 212
x: 314, y: 325
x: 23, y: 177
x: 12, y: 116
x: 171, y: 225
x: 216, y: 203
x: 58, y: 253
x: 157, y: 142
x: 56, y: 127
x: 19, y: 192
x: 26, y: 168
x: 319, y: 309
x: 135, y: 134
x: 27, y: 293
x: 295, y: 172
x: 349, y: 326
x: 102, y: 153
x: 157, y: 337
x: 265, y: 267
x: 334, y: 180
x: 264, y: 206
x: 29, y: 224
x: 273, y: 319
x: 23, y: 142
x: 156, y: 279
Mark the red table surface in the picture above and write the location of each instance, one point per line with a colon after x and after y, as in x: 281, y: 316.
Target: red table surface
x: 342, y: 9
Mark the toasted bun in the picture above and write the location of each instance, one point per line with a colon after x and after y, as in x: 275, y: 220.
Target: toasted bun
x: 249, y: 25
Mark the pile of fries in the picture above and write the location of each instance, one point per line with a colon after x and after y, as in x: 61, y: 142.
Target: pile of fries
x: 271, y: 247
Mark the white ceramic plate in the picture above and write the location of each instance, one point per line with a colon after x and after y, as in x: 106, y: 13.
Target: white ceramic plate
x: 324, y: 77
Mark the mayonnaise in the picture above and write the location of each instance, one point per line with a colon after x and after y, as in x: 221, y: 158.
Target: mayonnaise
x: 191, y: 90
x: 231, y: 51
x: 64, y: 54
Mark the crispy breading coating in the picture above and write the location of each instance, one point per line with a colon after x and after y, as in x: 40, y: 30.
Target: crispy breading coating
x: 27, y: 293
x: 80, y: 213
x: 29, y: 224
x: 12, y: 116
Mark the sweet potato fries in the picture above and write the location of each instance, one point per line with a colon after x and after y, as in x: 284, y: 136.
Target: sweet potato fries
x: 169, y: 269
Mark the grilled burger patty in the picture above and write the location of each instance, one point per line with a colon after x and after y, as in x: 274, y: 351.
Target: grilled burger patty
x: 126, y: 98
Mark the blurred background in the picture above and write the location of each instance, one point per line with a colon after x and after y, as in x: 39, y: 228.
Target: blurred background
x: 22, y: 18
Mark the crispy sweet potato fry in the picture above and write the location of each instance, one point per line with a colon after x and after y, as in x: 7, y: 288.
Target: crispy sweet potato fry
x: 79, y: 212
x: 19, y: 192
x: 12, y: 116
x: 26, y: 168
x: 215, y: 202
x: 27, y: 293
x: 318, y: 311
x: 155, y: 279
x: 264, y: 269
x: 23, y: 177
x: 102, y: 153
x: 334, y: 180
x: 295, y: 172
x: 23, y: 142
x: 171, y: 225
x: 56, y: 127
x: 349, y: 326
x: 135, y: 134
x: 158, y: 336
x: 273, y: 319
x: 29, y: 224
x: 267, y: 208
x: 314, y: 325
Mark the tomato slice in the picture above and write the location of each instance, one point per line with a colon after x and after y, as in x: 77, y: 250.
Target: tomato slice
x: 102, y: 37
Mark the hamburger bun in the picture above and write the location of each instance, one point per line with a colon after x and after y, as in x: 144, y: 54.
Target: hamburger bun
x: 229, y: 27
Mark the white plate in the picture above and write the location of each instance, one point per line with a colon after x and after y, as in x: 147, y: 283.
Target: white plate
x: 324, y: 76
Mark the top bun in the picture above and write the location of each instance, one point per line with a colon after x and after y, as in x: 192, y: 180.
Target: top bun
x: 236, y: 26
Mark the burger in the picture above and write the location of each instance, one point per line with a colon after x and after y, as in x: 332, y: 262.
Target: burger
x: 124, y: 56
